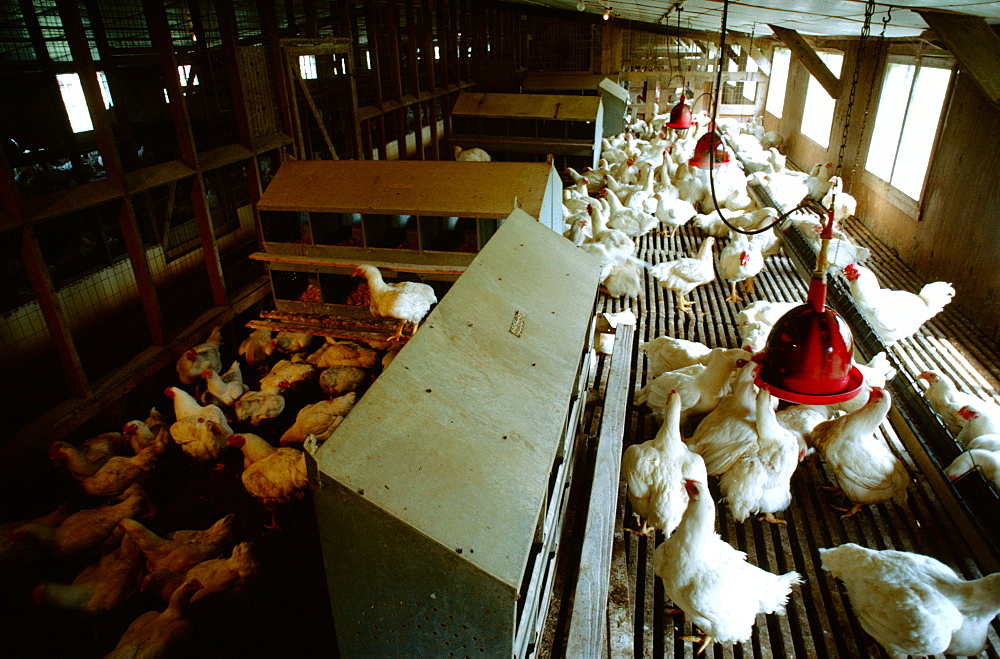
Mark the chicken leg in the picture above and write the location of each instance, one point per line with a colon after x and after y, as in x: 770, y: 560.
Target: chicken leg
x: 769, y: 517
x: 683, y: 304
x: 398, y: 336
x: 734, y: 296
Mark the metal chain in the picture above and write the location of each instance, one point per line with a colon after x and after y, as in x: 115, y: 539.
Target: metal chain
x: 865, y: 30
x: 879, y: 45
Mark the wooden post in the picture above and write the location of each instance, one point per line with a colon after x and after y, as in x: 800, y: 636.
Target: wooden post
x: 428, y: 40
x: 411, y: 44
x: 376, y: 76
x: 272, y: 42
x: 396, y: 79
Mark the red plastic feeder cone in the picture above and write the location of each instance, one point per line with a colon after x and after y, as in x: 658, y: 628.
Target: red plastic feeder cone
x: 702, y: 150
x: 808, y: 358
x: 680, y: 115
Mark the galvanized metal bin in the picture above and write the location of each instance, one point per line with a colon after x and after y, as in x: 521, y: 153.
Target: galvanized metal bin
x: 441, y: 497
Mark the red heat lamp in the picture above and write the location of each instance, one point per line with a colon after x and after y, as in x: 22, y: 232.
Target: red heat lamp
x: 808, y: 358
x: 680, y: 116
x: 703, y: 150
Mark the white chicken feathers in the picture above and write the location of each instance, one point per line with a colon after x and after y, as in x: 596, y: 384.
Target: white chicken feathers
x: 914, y: 604
x: 715, y: 586
x: 655, y: 471
x: 406, y: 301
x: 685, y: 274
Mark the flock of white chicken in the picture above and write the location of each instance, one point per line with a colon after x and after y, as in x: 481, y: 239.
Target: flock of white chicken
x: 716, y: 422
x: 212, y: 412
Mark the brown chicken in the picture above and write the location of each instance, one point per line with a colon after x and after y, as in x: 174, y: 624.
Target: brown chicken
x: 119, y: 473
x: 319, y: 419
x: 101, y: 587
x: 219, y: 576
x: 273, y: 475
x: 156, y: 634
x: 92, y: 530
x: 180, y: 550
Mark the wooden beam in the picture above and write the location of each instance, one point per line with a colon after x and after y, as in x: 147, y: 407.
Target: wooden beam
x: 755, y: 53
x: 816, y: 67
x: 974, y: 44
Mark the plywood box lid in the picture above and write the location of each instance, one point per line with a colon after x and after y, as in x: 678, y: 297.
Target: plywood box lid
x: 528, y: 106
x: 458, y: 436
x: 561, y: 81
x: 613, y: 88
x: 433, y: 188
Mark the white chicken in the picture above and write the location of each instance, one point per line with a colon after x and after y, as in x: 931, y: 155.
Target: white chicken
x: 406, y: 301
x: 292, y: 342
x: 914, y: 604
x: 286, y: 375
x: 844, y: 205
x: 685, y: 274
x: 156, y: 633
x: 90, y: 530
x: 895, y: 315
x: 257, y: 347
x: 655, y: 472
x: 801, y: 420
x: 183, y: 549
x: 818, y: 181
x: 272, y: 475
x: 712, y: 582
x: 226, y: 388
x: 631, y: 221
x: 976, y: 459
x: 740, y: 261
x: 319, y: 419
x: 666, y: 353
x: 339, y: 380
x: 725, y: 432
x: 223, y: 576
x: 864, y: 467
x: 153, y: 431
x: 98, y: 588
x: 258, y: 406
x: 877, y: 373
x: 700, y: 386
x: 200, y: 437
x: 335, y: 353
x: 946, y: 399
x: 978, y: 418
x: 624, y: 280
x: 475, y: 154
x: 202, y: 357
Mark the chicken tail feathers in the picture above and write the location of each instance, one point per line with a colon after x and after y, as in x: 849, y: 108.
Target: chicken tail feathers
x: 937, y: 294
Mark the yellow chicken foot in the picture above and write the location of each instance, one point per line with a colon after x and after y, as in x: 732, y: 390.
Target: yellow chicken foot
x: 848, y: 512
x: 734, y: 296
x: 683, y: 304
x: 398, y: 336
x: 414, y: 330
x: 748, y: 285
x: 675, y: 611
x: 644, y: 530
x: 769, y: 517
x: 274, y: 522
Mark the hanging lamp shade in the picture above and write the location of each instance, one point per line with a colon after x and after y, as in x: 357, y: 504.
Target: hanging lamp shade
x: 702, y: 150
x: 808, y: 357
x: 680, y: 115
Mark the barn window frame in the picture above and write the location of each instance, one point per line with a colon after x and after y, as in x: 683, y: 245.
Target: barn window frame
x: 904, y: 128
x: 819, y: 108
x: 777, y: 85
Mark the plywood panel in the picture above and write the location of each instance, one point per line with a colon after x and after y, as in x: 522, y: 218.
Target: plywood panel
x: 528, y: 106
x: 463, y: 189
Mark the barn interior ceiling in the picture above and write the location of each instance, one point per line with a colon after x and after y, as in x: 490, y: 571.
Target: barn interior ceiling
x: 810, y: 17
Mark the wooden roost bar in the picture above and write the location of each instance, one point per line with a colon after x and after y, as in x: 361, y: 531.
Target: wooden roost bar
x: 531, y: 126
x: 425, y: 219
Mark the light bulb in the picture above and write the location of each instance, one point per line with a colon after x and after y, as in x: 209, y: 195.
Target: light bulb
x: 607, y: 13
x: 581, y: 5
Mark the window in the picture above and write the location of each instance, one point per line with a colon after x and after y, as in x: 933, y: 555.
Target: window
x: 778, y: 81
x: 307, y: 67
x: 75, y: 102
x: 184, y: 75
x: 906, y: 122
x: 817, y: 117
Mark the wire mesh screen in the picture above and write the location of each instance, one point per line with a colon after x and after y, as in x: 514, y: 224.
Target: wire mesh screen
x: 323, y: 99
x: 261, y: 95
x: 555, y: 45
x: 15, y: 42
x: 80, y: 244
x: 248, y: 24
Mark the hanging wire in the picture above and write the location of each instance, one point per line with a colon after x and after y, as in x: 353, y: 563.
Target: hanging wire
x: 712, y: 142
x: 879, y: 46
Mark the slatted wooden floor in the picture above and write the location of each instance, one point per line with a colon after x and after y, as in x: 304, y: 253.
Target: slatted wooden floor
x: 819, y: 622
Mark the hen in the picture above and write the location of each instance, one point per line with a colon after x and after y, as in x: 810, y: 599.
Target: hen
x: 292, y: 342
x: 91, y: 530
x: 119, y: 473
x: 155, y: 633
x: 339, y: 380
x: 343, y: 353
x: 864, y: 467
x: 844, y: 205
x: 710, y: 581
x: 759, y: 481
x: 700, y: 386
x: 978, y: 418
x: 976, y: 459
x: 914, y: 604
x: 224, y: 389
x: 655, y: 472
x: 258, y: 406
x: 319, y: 419
x: 200, y: 437
x: 286, y: 375
x: 685, y: 274
x: 219, y: 576
x: 273, y: 475
x: 180, y: 550
x: 154, y: 432
x: 945, y: 399
x: 200, y: 358
x: 99, y: 588
x: 740, y: 261
x: 877, y: 373
x: 665, y: 353
x: 726, y: 432
x: 895, y: 315
x: 405, y: 301
x: 257, y: 347
x: 84, y: 460
x: 475, y: 154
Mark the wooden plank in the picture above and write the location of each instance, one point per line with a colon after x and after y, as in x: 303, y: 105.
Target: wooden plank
x: 294, y: 73
x: 527, y: 106
x: 347, y: 258
x: 462, y: 189
x: 588, y: 629
x: 817, y: 67
x: 973, y: 43
x: 559, y: 82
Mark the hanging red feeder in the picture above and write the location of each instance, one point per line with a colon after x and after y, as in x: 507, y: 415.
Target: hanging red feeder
x: 703, y: 150
x: 808, y: 358
x: 680, y: 115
